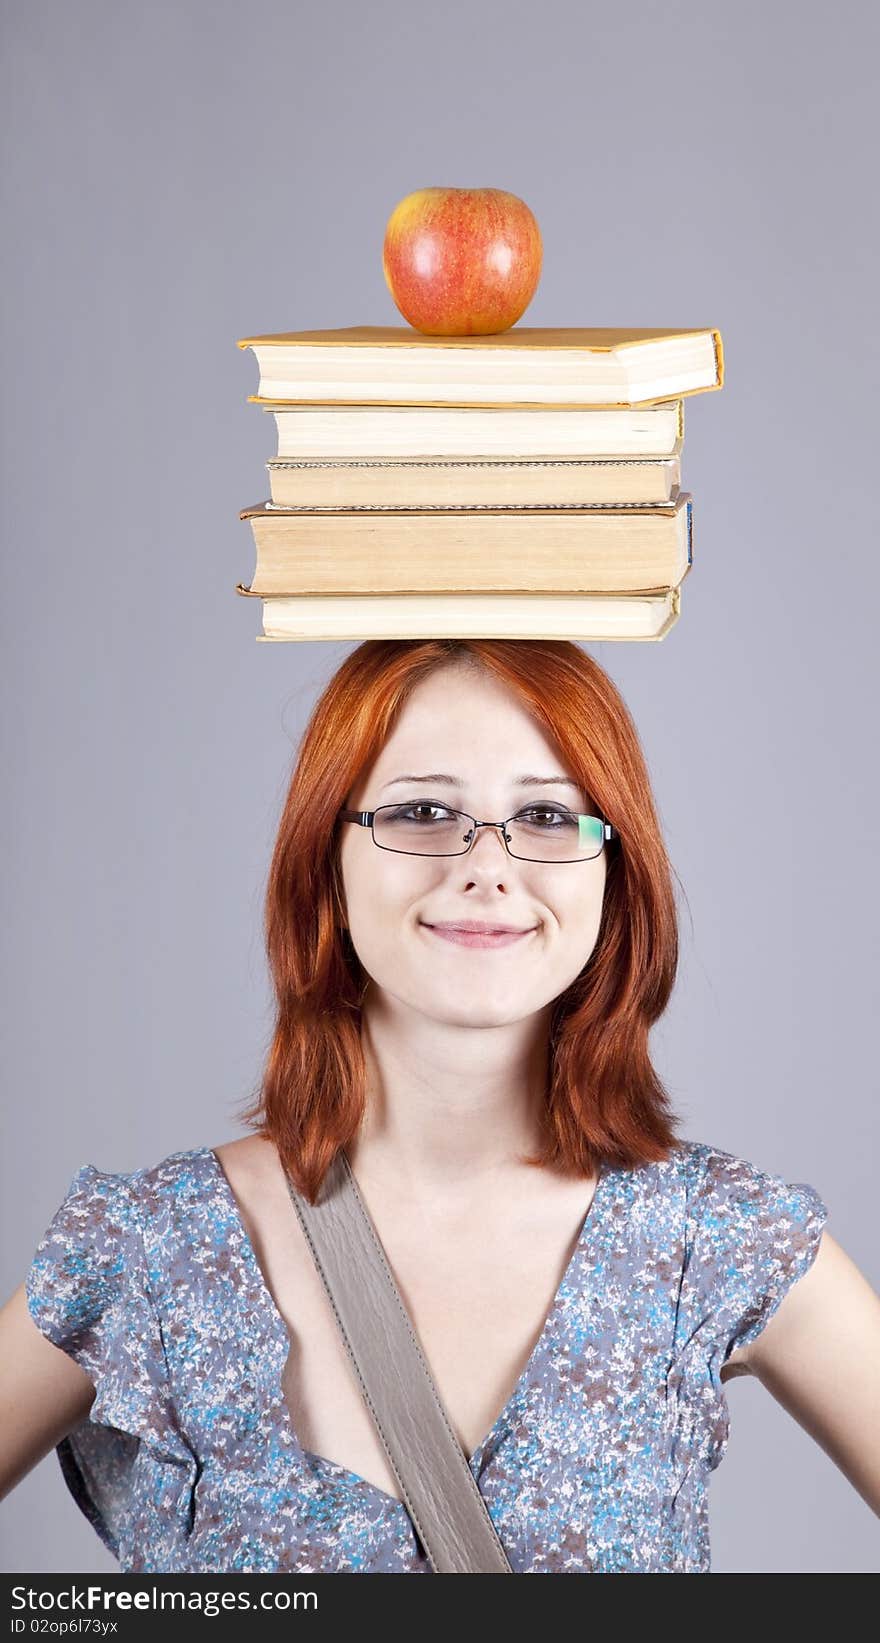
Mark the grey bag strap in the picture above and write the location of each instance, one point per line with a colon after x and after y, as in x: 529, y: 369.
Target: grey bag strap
x: 438, y: 1487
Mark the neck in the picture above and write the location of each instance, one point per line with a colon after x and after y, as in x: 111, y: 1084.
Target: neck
x: 449, y: 1107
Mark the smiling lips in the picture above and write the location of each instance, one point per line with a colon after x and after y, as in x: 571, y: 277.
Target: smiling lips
x: 474, y: 933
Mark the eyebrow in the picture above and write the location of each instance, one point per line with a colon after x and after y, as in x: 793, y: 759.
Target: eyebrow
x: 519, y: 781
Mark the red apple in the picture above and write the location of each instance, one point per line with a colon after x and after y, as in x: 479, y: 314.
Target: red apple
x: 462, y: 262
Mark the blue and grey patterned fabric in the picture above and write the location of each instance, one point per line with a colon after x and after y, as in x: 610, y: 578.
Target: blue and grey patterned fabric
x: 188, y: 1461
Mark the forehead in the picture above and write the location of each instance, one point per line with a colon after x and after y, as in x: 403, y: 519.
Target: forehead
x: 463, y: 719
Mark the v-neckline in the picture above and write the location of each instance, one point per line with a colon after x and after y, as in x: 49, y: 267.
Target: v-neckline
x: 281, y: 1335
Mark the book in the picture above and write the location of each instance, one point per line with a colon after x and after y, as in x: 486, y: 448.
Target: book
x: 477, y: 615
x: 368, y: 432
x: 463, y: 483
x: 527, y: 365
x: 473, y: 550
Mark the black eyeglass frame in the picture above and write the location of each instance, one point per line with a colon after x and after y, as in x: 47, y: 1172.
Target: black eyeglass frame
x: 364, y: 818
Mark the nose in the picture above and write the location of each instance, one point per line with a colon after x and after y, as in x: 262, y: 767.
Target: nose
x: 492, y: 830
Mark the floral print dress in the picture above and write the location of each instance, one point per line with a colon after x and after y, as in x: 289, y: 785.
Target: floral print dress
x: 599, y: 1462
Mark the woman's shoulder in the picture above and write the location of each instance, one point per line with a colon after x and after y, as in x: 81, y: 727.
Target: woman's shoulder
x: 691, y: 1168
x: 747, y: 1223
x: 750, y: 1232
x: 181, y: 1173
x: 712, y: 1173
x: 142, y: 1190
x: 722, y: 1196
x: 196, y: 1192
x: 164, y: 1229
x: 151, y: 1200
x: 245, y: 1151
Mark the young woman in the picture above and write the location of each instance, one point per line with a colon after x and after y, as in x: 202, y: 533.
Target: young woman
x: 471, y: 929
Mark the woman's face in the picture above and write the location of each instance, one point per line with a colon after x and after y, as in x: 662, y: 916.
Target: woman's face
x: 463, y: 723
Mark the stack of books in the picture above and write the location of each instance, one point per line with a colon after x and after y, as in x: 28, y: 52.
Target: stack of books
x: 525, y: 484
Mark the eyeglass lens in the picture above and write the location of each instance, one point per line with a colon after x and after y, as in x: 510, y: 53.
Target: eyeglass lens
x: 543, y: 832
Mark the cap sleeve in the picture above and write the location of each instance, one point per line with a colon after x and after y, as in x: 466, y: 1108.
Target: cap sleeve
x: 127, y: 1465
x: 754, y: 1235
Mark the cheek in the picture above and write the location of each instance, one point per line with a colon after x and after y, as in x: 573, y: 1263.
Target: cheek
x: 581, y: 917
x: 387, y: 892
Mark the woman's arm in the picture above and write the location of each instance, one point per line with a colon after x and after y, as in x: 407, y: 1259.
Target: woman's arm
x: 819, y: 1356
x: 43, y: 1393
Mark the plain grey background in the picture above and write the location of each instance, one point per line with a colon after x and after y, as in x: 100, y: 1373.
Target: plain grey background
x: 178, y: 176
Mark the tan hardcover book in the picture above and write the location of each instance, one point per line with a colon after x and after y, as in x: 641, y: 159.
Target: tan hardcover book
x: 486, y: 615
x: 526, y: 365
x: 371, y: 432
x: 472, y: 483
x: 523, y: 550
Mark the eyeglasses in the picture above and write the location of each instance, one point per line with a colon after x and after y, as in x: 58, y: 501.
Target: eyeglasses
x: 543, y: 832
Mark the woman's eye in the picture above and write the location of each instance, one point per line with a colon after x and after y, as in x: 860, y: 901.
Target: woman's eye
x: 407, y: 812
x: 543, y: 814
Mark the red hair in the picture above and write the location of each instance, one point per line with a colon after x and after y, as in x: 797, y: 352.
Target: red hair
x: 605, y: 1103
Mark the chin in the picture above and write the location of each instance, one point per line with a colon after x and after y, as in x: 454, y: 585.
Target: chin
x: 482, y: 1011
